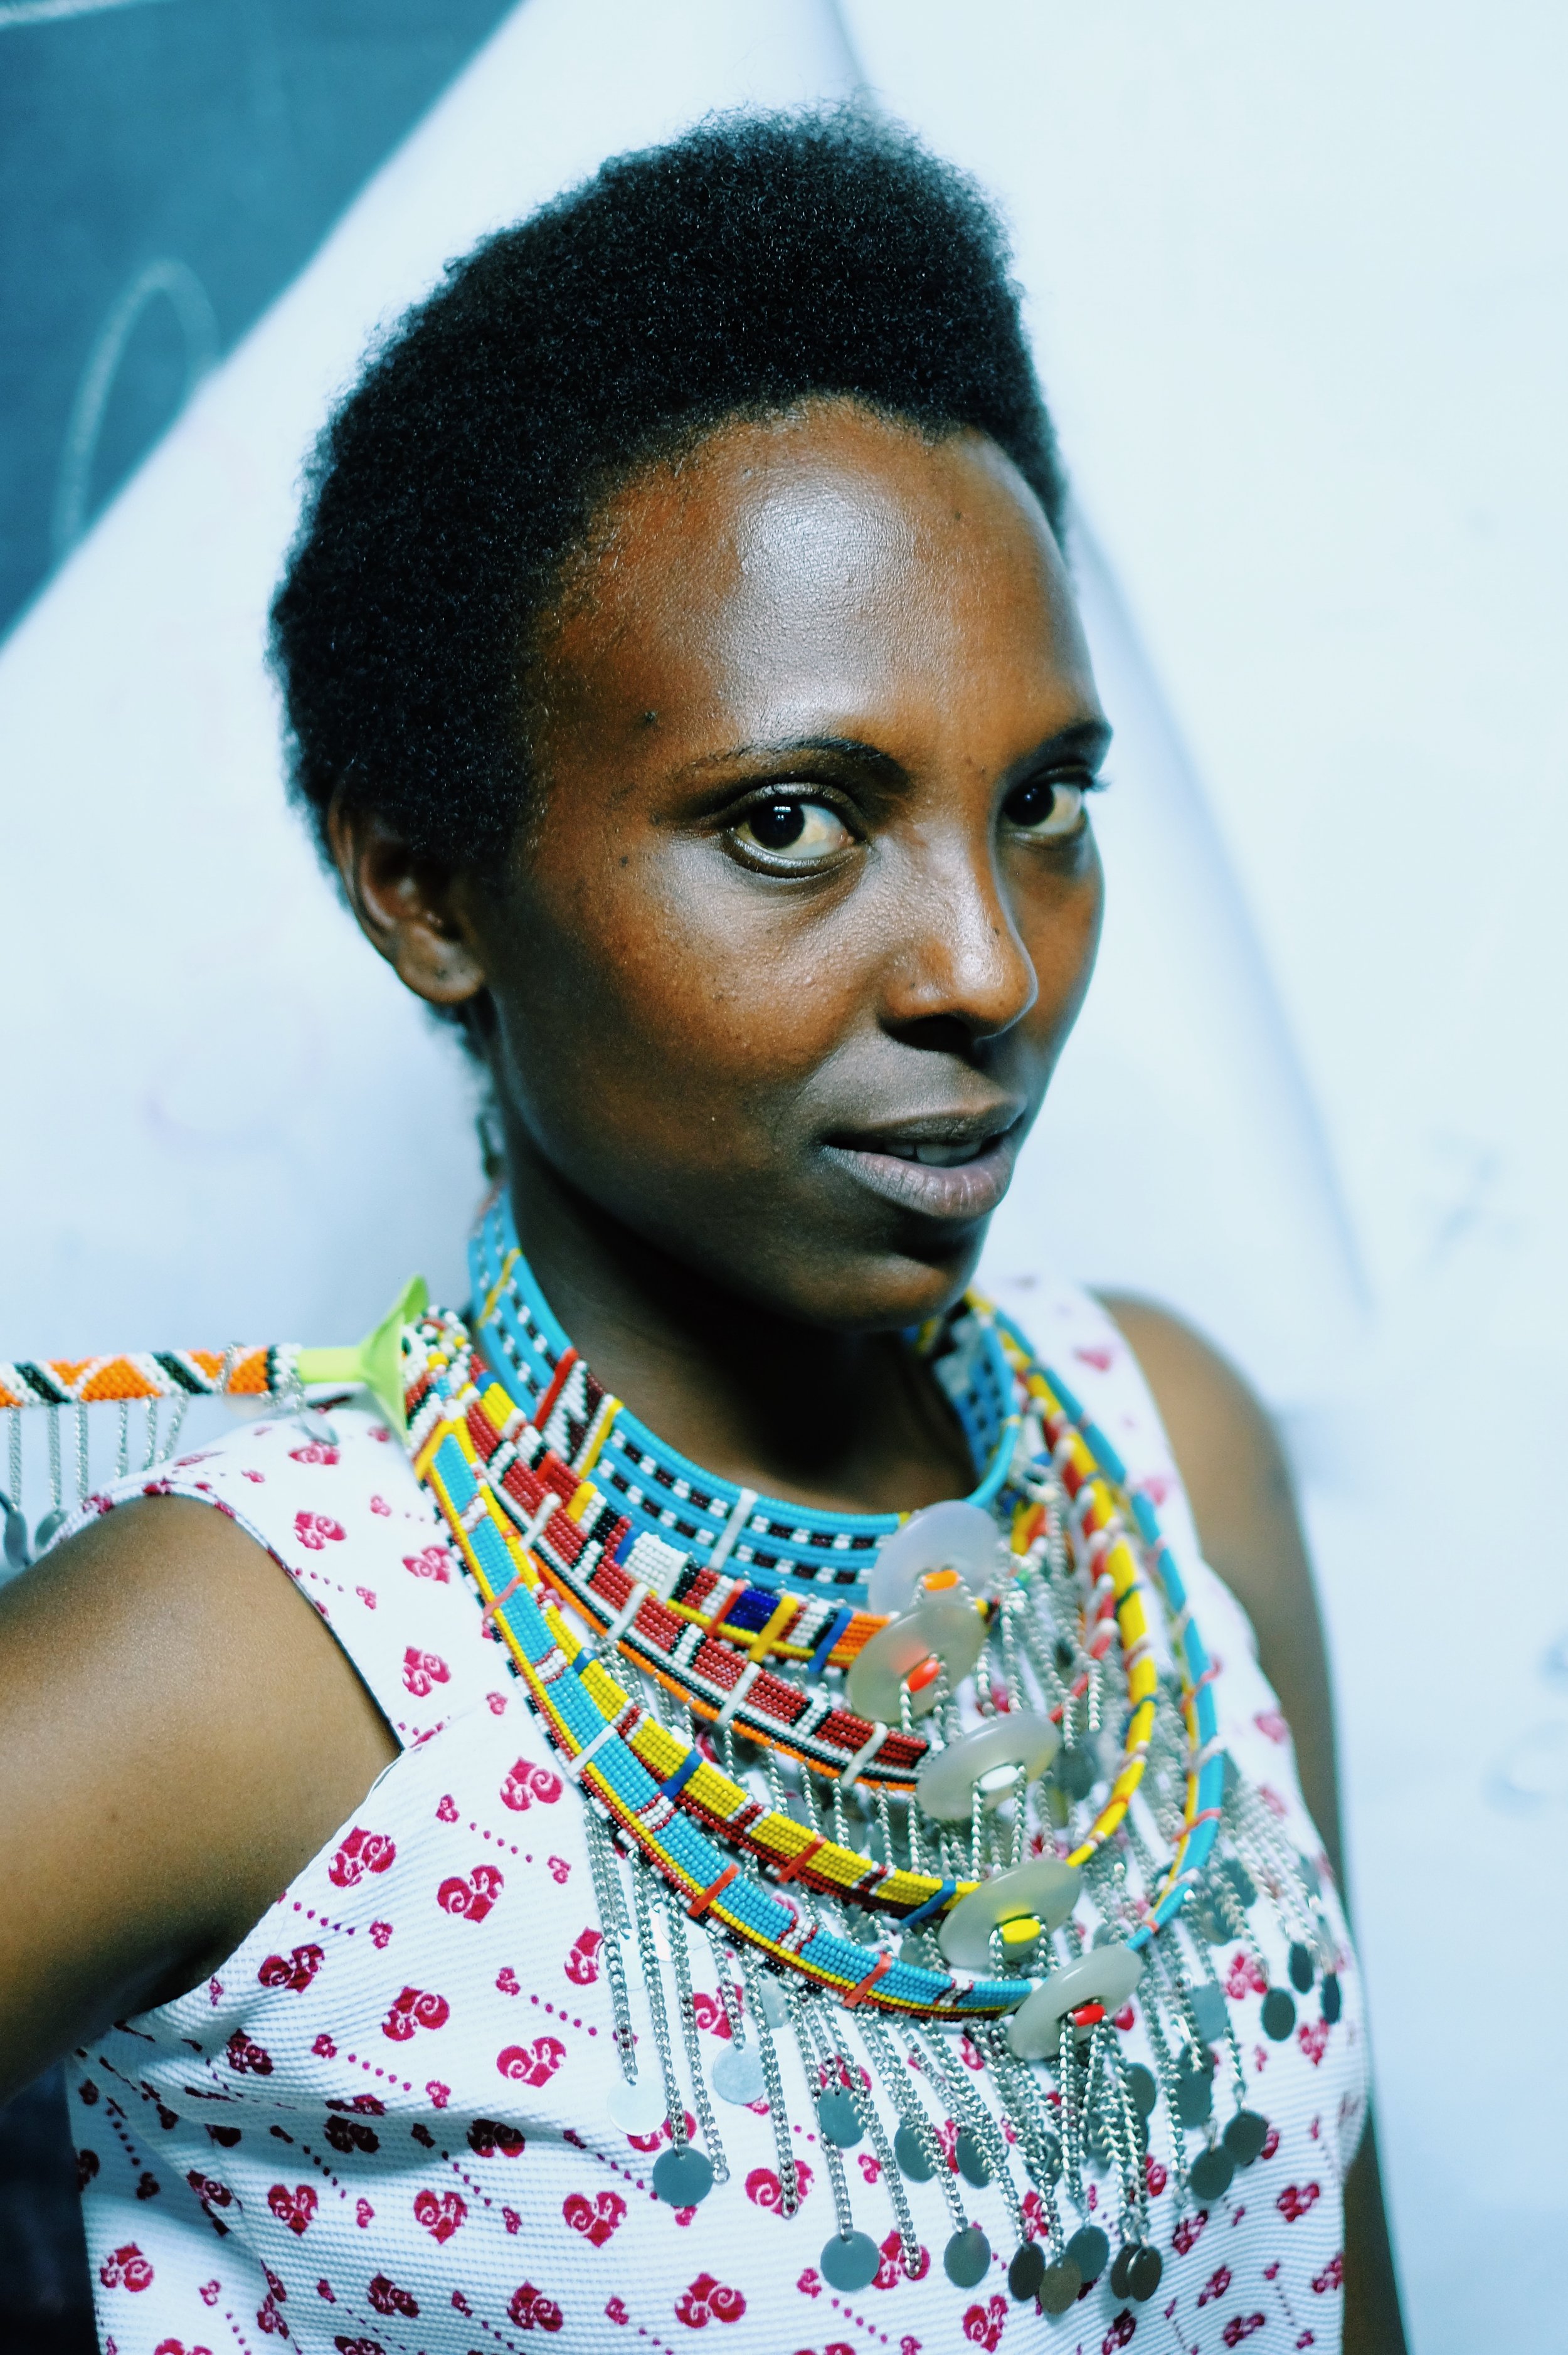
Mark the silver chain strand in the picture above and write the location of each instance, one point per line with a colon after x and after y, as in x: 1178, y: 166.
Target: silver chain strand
x: 773, y: 2080
x: 675, y: 1919
x: 653, y: 1988
x: 615, y: 1924
x: 800, y: 2007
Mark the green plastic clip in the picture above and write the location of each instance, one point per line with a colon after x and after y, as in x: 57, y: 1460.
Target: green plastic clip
x: 375, y: 1363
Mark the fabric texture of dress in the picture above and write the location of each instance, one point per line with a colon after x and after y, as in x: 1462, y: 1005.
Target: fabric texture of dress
x: 381, y: 2127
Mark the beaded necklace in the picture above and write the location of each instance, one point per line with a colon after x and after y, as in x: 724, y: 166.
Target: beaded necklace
x: 799, y: 1736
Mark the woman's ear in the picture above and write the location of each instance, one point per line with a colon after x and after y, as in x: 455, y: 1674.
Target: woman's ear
x: 409, y: 909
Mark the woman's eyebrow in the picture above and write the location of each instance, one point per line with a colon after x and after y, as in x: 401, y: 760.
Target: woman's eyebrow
x: 1086, y: 739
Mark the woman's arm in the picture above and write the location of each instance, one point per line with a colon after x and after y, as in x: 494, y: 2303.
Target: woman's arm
x: 1239, y: 1489
x: 179, y: 1735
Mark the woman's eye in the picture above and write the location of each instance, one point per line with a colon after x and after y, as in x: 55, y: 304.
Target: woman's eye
x: 800, y: 831
x: 1048, y: 808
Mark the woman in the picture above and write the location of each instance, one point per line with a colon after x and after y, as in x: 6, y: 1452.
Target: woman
x: 707, y: 1897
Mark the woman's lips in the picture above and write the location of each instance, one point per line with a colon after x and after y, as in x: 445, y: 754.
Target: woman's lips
x: 964, y: 1190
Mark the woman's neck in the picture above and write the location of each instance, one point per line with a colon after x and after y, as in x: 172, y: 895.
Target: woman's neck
x: 846, y: 1421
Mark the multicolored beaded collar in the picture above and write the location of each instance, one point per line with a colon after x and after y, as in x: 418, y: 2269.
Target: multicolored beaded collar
x: 787, y: 1548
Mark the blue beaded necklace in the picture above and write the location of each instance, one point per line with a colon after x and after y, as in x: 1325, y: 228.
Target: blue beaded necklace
x: 796, y: 1548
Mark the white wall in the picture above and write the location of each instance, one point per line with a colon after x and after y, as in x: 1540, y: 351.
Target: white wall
x: 1298, y: 282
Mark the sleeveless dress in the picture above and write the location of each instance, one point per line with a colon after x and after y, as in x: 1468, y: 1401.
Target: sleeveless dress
x: 381, y: 2127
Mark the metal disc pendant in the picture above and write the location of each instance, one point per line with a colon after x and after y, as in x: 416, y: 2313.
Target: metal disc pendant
x: 1121, y: 2282
x: 49, y: 1528
x: 1208, y: 2011
x: 639, y: 2108
x: 944, y: 1536
x: 1194, y: 2096
x: 1241, y: 1880
x: 19, y: 1552
x: 1075, y: 1772
x: 1333, y: 2002
x: 973, y: 2164
x: 1060, y: 2286
x: 950, y: 1632
x: 682, y: 2177
x: 839, y: 2119
x: 849, y: 2261
x: 1089, y: 2249
x: 966, y: 2259
x: 1144, y: 2273
x: 1301, y: 1970
x: 737, y: 2075
x: 991, y: 1756
x: 1278, y: 2015
x: 1105, y: 1974
x: 1142, y: 2089
x: 1043, y: 1891
x: 1026, y: 2271
x: 1246, y: 2137
x: 776, y: 2011
x: 910, y: 2152
x: 1210, y: 2172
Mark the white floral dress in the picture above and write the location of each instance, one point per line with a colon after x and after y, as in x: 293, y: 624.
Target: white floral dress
x: 381, y: 2127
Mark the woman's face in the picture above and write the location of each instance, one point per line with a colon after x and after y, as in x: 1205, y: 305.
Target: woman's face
x: 783, y: 966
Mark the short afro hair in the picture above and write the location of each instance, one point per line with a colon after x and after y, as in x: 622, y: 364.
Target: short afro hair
x: 758, y: 260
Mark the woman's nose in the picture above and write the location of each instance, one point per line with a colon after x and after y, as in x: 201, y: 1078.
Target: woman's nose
x: 962, y: 959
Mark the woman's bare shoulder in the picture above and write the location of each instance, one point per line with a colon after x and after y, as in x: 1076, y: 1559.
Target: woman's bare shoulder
x: 178, y: 1734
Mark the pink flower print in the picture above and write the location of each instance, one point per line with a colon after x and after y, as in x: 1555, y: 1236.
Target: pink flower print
x: 210, y: 2292
x: 1189, y: 2232
x: 508, y: 1981
x: 447, y: 1809
x: 127, y: 2269
x: 526, y: 1782
x: 708, y: 2010
x: 1245, y: 1977
x: 323, y: 2048
x: 415, y: 2008
x: 1240, y: 2327
x: 1294, y: 2204
x: 1099, y: 1356
x: 87, y: 2166
x: 970, y: 2053
x: 269, y: 2320
x: 293, y: 2210
x: 708, y: 2300
x: 595, y: 2219
x: 1332, y: 2275
x: 387, y: 2298
x: 560, y: 1871
x: 441, y: 2213
x: 512, y: 2220
x: 361, y: 1852
x: 247, y: 2059
x: 363, y: 2213
x: 1155, y: 2175
x: 1271, y: 2143
x: 1120, y: 2332
x: 890, y: 2271
x: 616, y: 2311
x: 532, y: 2064
x: 532, y: 2310
x: 472, y: 1899
x: 1313, y: 2038
x: 380, y: 1934
x: 258, y: 1478
x: 810, y: 2282
x: 346, y: 2346
x: 314, y: 1451
x: 297, y: 1972
x: 422, y: 1670
x: 983, y: 2325
x: 1270, y: 1723
x: 381, y: 1508
x: 1215, y: 2286
x: 367, y: 1595
x: 487, y: 2136
x: 316, y: 1530
x: 497, y: 1704
x: 763, y: 2189
x: 870, y: 2168
x: 1273, y: 1801
x: 432, y: 1564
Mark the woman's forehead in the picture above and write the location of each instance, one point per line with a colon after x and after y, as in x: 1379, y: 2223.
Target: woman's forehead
x: 793, y: 567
